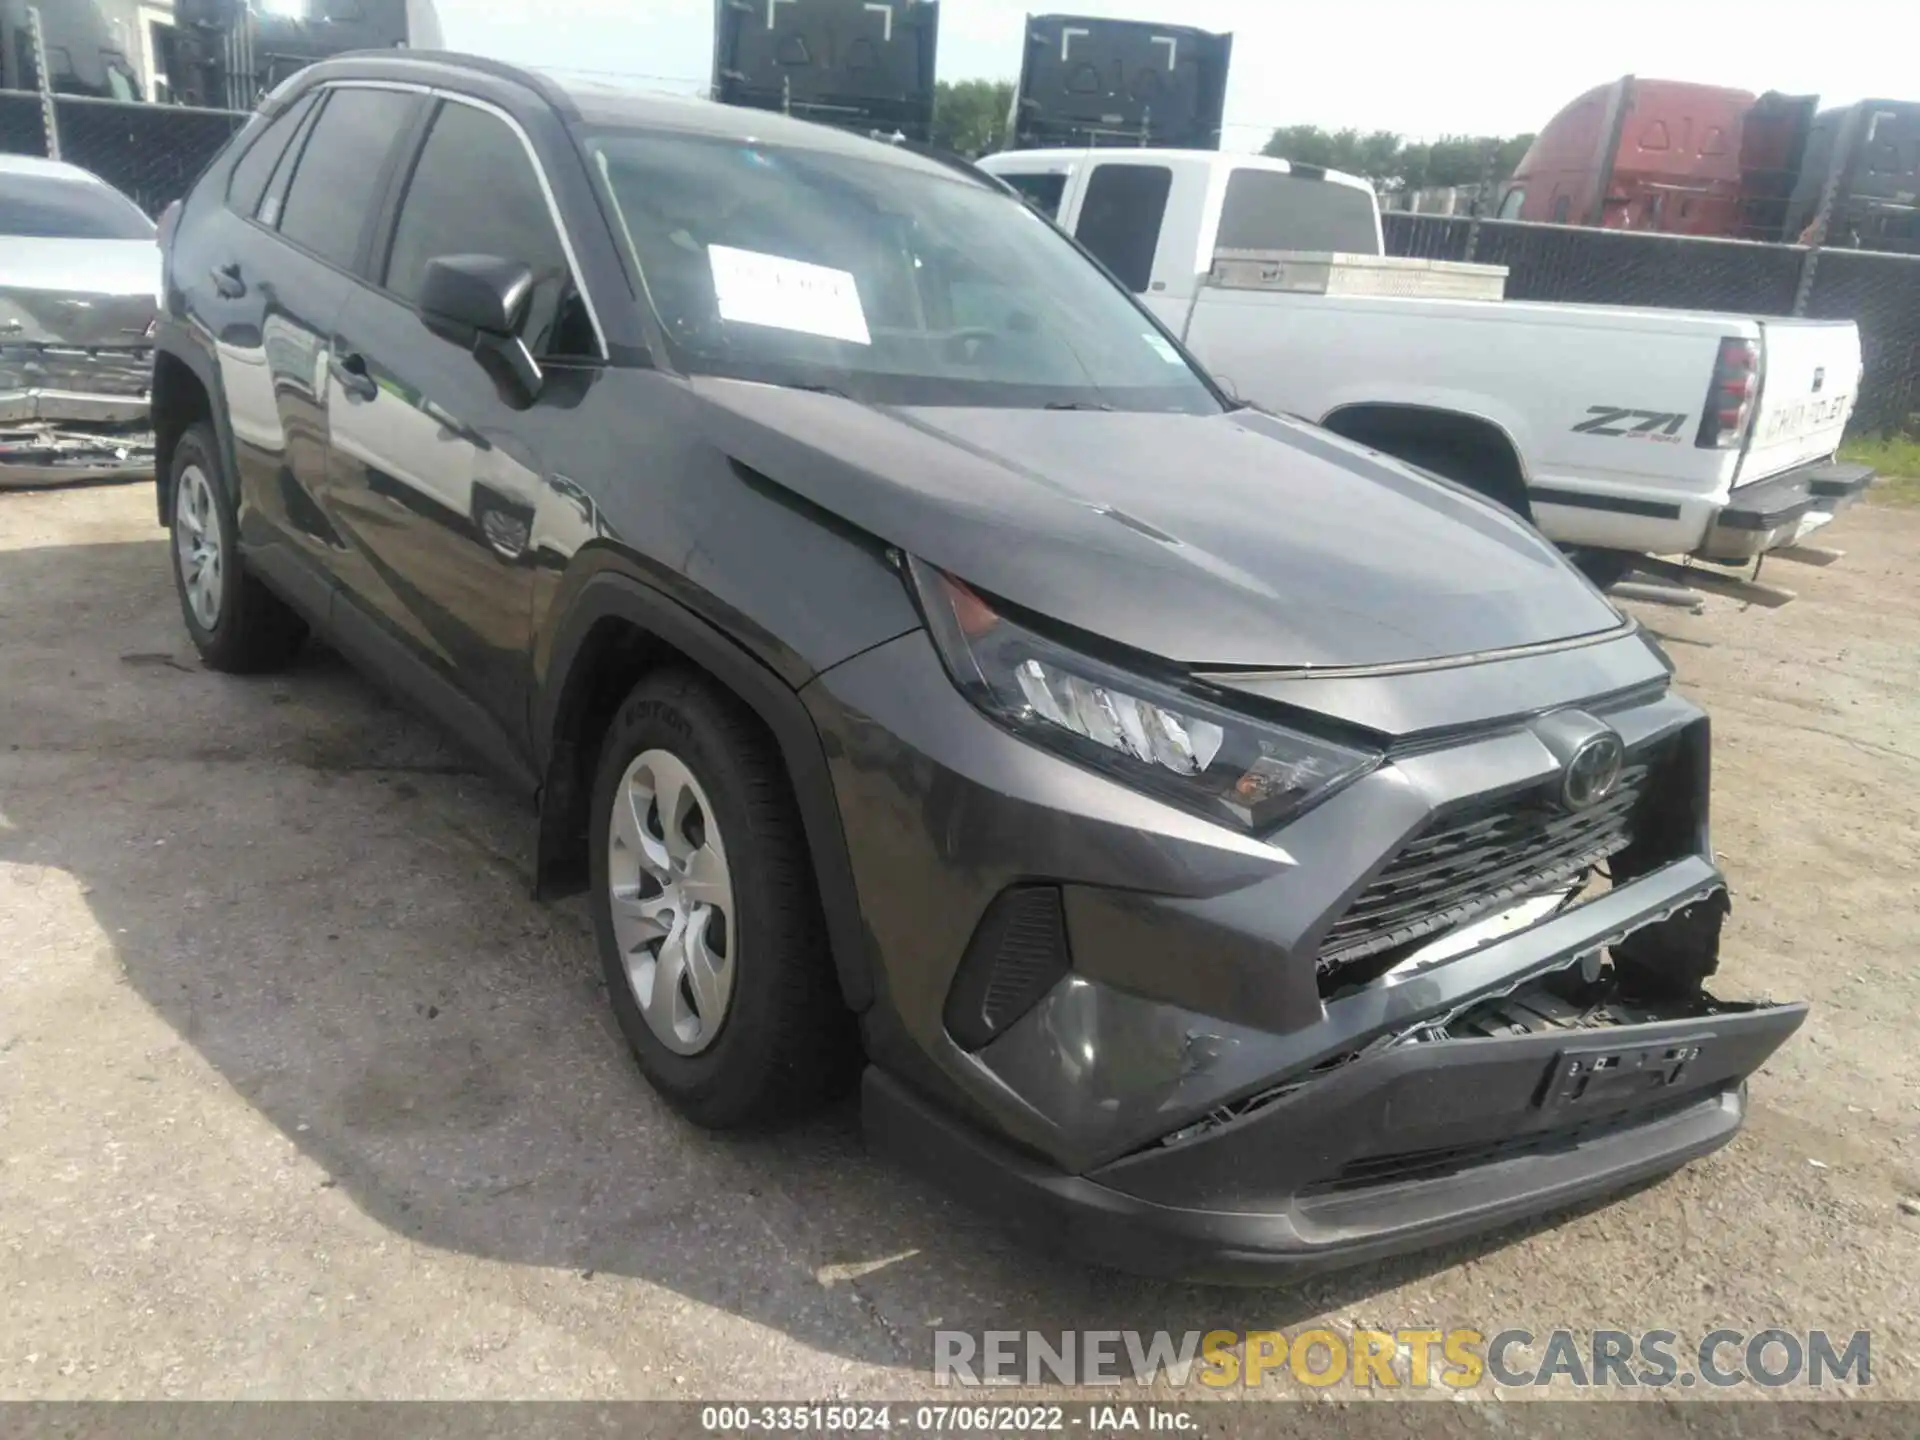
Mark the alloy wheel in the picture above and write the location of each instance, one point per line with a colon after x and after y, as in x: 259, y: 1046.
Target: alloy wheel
x: 672, y: 901
x: 196, y: 538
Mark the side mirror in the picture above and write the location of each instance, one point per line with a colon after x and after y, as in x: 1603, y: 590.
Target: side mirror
x: 478, y: 302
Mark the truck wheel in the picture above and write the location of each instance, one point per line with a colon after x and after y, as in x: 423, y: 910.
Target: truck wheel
x: 236, y: 623
x: 1605, y: 568
x: 707, y: 915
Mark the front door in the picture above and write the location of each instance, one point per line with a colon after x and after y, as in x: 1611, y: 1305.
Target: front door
x: 438, y: 462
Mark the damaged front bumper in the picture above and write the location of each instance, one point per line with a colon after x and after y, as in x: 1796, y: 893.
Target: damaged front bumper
x: 1518, y: 1078
x: 71, y: 451
x: 78, y: 412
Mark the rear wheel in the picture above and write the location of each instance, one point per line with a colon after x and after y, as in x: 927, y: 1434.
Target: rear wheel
x: 236, y: 623
x: 1605, y: 568
x: 707, y: 917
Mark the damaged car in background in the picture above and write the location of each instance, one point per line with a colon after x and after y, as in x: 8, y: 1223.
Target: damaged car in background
x: 79, y: 293
x: 1209, y: 843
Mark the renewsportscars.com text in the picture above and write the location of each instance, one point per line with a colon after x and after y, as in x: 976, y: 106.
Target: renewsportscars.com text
x: 1414, y: 1359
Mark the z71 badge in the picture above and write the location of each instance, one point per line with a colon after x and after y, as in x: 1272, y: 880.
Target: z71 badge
x: 1661, y: 426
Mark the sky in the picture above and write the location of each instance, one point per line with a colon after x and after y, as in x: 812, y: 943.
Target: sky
x: 1423, y: 69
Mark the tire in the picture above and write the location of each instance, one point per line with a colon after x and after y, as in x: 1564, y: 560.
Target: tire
x: 1605, y: 568
x: 237, y: 624
x: 747, y: 1026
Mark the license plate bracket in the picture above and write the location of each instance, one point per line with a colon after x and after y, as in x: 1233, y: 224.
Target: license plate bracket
x: 1590, y: 1075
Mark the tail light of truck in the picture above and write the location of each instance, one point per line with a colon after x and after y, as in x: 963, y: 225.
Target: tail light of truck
x: 1732, y: 395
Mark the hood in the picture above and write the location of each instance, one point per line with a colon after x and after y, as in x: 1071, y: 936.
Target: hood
x: 1235, y: 540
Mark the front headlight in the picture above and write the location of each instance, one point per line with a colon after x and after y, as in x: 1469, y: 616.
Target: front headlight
x: 1149, y: 735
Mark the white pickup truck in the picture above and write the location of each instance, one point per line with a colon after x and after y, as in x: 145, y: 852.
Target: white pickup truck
x: 1621, y: 432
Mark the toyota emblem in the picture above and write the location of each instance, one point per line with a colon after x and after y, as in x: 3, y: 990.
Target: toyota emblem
x: 1593, y: 772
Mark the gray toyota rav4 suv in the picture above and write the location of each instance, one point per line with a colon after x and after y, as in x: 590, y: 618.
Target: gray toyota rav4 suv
x: 1212, y: 845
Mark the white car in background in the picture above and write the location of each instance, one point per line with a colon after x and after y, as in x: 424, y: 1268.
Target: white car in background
x: 79, y: 294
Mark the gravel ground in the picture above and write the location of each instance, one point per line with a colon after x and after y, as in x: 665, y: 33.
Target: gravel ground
x: 301, y: 1096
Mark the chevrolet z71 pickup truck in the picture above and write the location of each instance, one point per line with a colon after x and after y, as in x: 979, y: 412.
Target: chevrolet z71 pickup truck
x: 1620, y: 432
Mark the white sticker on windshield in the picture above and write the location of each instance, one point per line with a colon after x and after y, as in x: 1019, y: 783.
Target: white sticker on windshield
x: 1163, y: 348
x: 757, y: 289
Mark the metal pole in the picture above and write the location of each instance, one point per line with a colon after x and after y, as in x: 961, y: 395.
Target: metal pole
x: 49, y: 117
x: 1839, y: 167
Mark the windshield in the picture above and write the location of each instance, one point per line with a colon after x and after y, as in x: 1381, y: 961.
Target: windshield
x: 51, y: 207
x: 877, y: 280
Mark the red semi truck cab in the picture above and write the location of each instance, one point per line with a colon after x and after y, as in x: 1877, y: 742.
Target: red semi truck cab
x: 1664, y: 155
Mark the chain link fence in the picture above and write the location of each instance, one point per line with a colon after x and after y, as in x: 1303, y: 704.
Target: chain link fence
x: 21, y: 130
x: 151, y: 153
x: 1879, y: 292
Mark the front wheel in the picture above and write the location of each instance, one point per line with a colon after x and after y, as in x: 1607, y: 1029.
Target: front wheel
x: 706, y: 913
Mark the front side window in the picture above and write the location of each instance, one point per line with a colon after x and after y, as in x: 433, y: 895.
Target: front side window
x: 1120, y: 219
x: 888, y: 280
x: 474, y: 192
x: 53, y: 207
x: 336, y: 180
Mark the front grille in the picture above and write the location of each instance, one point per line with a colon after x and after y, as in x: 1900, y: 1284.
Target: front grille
x: 1477, y: 862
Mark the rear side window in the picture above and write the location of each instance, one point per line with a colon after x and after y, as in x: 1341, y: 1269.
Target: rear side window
x: 250, y: 175
x: 474, y: 191
x: 1266, y: 210
x: 1043, y: 192
x: 1121, y: 216
x: 54, y: 207
x: 336, y: 180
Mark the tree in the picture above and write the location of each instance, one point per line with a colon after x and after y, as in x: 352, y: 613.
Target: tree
x: 1373, y: 155
x: 970, y: 116
x: 1391, y: 162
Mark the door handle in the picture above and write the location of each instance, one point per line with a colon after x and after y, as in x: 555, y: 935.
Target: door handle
x: 350, y: 373
x: 226, y: 279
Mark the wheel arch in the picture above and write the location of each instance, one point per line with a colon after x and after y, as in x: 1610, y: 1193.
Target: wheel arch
x: 186, y: 389
x: 1401, y: 429
x: 617, y: 628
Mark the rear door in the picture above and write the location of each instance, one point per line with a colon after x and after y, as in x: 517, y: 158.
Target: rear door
x: 274, y: 279
x: 437, y: 466
x: 1808, y: 388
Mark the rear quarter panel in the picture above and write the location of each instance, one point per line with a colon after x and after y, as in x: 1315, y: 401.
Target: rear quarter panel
x: 1597, y: 400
